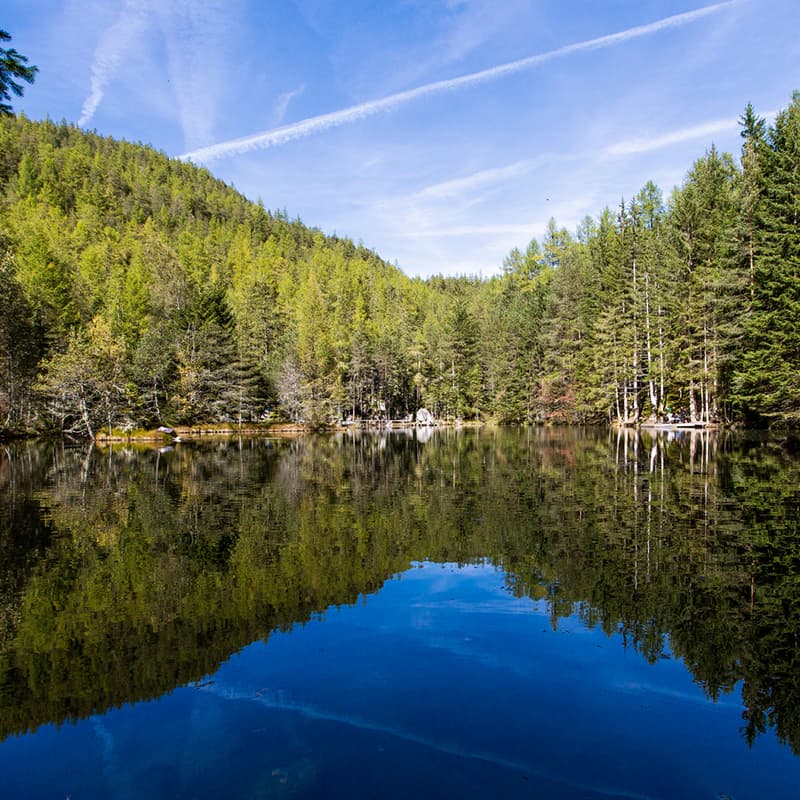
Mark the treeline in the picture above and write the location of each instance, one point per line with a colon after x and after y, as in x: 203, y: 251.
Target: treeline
x: 138, y: 290
x: 688, y: 306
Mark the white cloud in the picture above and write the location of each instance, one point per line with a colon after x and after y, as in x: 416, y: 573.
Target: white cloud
x: 646, y: 145
x: 288, y: 133
x: 282, y: 103
x: 195, y: 33
x: 459, y: 187
x: 468, y: 25
x: 469, y: 230
x: 491, y: 176
x: 114, y: 44
x: 703, y: 131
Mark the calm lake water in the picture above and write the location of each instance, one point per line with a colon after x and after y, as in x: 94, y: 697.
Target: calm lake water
x: 494, y: 613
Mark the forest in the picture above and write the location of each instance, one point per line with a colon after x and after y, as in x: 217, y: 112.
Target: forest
x: 137, y: 290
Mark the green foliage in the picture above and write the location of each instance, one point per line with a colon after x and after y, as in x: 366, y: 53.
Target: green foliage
x: 769, y: 381
x: 210, y: 298
x: 702, y: 216
x: 13, y: 68
x: 21, y: 345
x: 223, y: 311
x: 84, y: 387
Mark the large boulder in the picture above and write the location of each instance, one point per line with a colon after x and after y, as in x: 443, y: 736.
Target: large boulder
x: 424, y: 417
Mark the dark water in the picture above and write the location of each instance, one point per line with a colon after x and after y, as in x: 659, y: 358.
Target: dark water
x: 549, y: 614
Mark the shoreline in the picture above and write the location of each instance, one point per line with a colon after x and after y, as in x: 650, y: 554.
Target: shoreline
x: 680, y: 426
x: 277, y: 430
x: 188, y: 432
x: 285, y: 430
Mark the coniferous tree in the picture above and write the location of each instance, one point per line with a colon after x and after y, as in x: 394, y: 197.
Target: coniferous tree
x: 464, y: 379
x: 768, y: 383
x: 702, y: 218
x: 208, y: 384
x: 735, y: 293
x: 13, y: 68
x: 511, y: 341
x: 21, y: 348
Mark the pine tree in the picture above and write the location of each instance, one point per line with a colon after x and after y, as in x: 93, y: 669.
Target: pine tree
x: 768, y: 383
x: 563, y: 328
x: 207, y: 388
x: 736, y: 290
x: 463, y: 371
x: 702, y: 219
x: 13, y: 66
x: 603, y: 391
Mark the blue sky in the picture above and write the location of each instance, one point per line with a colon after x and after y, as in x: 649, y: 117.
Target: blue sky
x: 440, y: 133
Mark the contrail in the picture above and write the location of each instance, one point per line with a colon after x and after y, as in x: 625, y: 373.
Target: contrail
x: 707, y: 129
x: 491, y: 176
x: 628, y: 147
x: 110, y: 50
x: 195, y: 35
x: 297, y: 130
x: 278, y: 702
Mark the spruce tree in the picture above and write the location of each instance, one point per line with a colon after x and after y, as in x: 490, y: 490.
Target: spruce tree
x: 13, y: 67
x: 768, y: 384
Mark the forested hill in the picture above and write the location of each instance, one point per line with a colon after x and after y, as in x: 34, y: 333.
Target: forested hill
x: 141, y: 289
x: 138, y: 290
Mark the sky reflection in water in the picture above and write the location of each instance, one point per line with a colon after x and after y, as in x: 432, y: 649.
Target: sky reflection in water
x: 442, y: 684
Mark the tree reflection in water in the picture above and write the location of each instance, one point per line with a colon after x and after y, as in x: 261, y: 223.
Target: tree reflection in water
x: 128, y: 571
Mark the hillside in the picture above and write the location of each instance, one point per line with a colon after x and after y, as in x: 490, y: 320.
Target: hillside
x: 140, y: 289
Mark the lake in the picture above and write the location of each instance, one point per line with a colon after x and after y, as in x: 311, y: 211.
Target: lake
x: 550, y: 613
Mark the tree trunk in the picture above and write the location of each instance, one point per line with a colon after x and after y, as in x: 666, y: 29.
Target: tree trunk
x: 649, y: 352
x: 85, y: 417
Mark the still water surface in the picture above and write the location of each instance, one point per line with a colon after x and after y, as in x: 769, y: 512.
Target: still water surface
x: 560, y: 614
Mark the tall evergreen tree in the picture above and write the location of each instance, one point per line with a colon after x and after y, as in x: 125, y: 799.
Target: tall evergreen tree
x: 736, y: 290
x: 702, y: 219
x: 768, y: 384
x: 566, y: 327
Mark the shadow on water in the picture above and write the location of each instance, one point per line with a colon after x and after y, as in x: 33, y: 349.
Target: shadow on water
x: 127, y: 572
